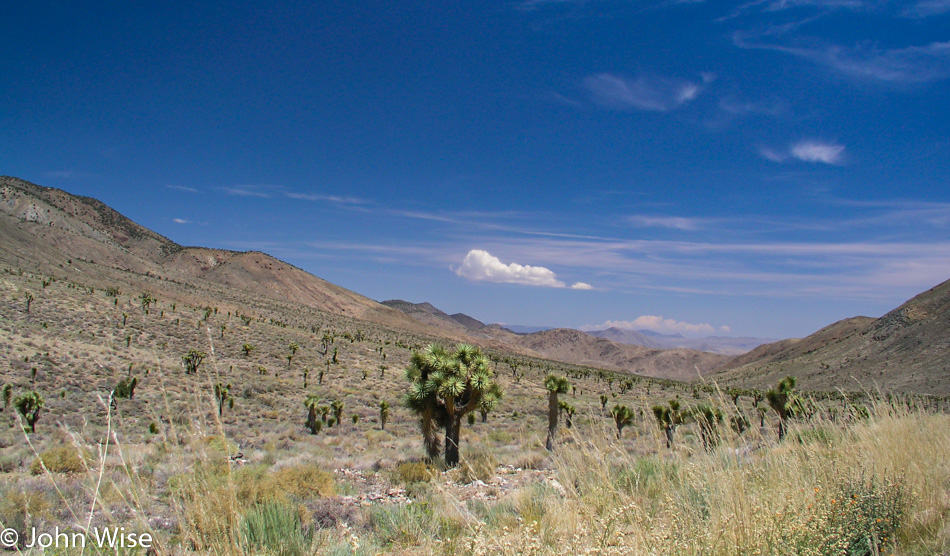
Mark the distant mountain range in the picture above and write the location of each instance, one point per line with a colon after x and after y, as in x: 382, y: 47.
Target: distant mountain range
x: 48, y: 230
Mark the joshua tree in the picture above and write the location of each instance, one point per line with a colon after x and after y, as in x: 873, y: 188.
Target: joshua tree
x: 192, y: 360
x: 293, y: 348
x: 383, y: 414
x: 311, y: 403
x: 603, y: 403
x: 222, y: 395
x: 708, y: 418
x: 29, y: 300
x: 126, y: 387
x: 306, y: 373
x: 337, y: 407
x: 668, y: 417
x: 785, y: 402
x: 555, y: 385
x: 247, y: 349
x: 147, y: 300
x: 569, y: 411
x: 29, y: 406
x: 223, y: 328
x: 7, y: 395
x: 444, y: 388
x: 622, y: 417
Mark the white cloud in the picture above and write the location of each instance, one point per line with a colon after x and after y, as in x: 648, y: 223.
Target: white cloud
x: 479, y: 265
x: 806, y: 151
x: 657, y: 323
x: 180, y: 221
x: 814, y: 151
x: 656, y: 94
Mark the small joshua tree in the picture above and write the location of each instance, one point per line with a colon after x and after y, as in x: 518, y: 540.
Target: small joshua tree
x: 29, y: 406
x: 147, y: 300
x: 222, y: 393
x: 293, y: 347
x: 7, y: 395
x: 668, y: 417
x: 708, y: 418
x: 383, y: 414
x: 603, y: 402
x: 785, y: 402
x: 622, y: 417
x: 192, y: 360
x: 126, y: 388
x: 247, y: 349
x: 555, y: 385
x: 29, y: 300
x: 312, y: 402
x: 337, y: 407
x: 569, y: 412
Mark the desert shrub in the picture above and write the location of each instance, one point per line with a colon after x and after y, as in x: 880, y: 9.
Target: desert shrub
x: 410, y: 525
x: 20, y: 509
x: 61, y: 459
x: 478, y: 464
x: 858, y: 517
x: 500, y: 436
x: 327, y: 513
x: 274, y: 528
x: 413, y: 472
x: 257, y: 484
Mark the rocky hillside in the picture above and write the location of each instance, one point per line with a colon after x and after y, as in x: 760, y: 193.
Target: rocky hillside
x: 906, y: 350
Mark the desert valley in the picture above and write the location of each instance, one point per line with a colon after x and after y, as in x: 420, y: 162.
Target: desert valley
x: 215, y: 401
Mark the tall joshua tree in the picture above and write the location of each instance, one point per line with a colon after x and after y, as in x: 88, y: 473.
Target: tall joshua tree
x: 785, y: 402
x: 445, y: 387
x: 192, y: 360
x: 555, y: 385
x: 222, y: 393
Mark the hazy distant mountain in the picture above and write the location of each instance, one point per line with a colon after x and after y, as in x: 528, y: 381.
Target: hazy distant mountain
x: 713, y: 344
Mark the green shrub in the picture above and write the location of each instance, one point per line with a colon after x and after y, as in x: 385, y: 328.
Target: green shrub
x: 61, y: 459
x: 410, y: 472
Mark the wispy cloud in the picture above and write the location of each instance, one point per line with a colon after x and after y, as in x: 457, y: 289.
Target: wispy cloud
x: 183, y: 188
x: 658, y: 323
x: 180, y: 221
x: 246, y: 191
x: 814, y: 151
x: 806, y: 151
x: 670, y: 222
x: 479, y: 265
x: 649, y: 93
x: 316, y: 197
x: 927, y: 8
x: 865, y: 60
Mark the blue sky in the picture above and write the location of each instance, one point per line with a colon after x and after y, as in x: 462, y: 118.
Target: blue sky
x: 751, y: 168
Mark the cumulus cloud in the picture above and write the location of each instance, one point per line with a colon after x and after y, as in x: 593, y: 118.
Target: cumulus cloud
x: 656, y: 94
x: 479, y: 265
x: 806, y: 151
x: 657, y: 323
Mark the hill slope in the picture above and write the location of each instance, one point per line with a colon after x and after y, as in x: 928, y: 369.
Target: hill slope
x: 906, y: 350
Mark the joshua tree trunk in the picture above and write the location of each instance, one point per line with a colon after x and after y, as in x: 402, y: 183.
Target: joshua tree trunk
x: 452, y: 440
x: 430, y: 435
x: 669, y: 436
x: 552, y: 419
